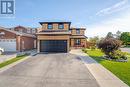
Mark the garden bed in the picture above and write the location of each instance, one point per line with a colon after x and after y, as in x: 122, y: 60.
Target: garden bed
x: 117, y: 60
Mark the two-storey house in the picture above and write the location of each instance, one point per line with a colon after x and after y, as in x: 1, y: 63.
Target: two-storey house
x: 59, y: 37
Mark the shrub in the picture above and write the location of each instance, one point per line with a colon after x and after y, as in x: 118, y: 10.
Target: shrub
x: 109, y: 46
x: 93, y: 47
x: 118, y: 55
x: 84, y: 50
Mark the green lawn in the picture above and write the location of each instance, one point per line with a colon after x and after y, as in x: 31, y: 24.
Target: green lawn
x: 120, y: 69
x: 11, y: 61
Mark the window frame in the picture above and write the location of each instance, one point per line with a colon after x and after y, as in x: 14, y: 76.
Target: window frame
x: 77, y: 42
x: 61, y: 27
x: 77, y: 31
x: 50, y: 27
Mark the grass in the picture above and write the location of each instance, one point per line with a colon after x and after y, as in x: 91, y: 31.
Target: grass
x: 120, y: 69
x: 12, y: 61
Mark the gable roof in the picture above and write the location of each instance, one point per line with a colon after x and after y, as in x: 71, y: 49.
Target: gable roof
x: 19, y: 26
x: 17, y: 33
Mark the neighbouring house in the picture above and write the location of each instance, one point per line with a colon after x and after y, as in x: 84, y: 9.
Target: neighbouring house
x: 22, y: 29
x: 59, y: 37
x: 17, y: 39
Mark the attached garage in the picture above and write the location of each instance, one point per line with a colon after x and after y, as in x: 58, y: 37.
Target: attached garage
x: 8, y: 44
x: 53, y: 46
x: 14, y: 41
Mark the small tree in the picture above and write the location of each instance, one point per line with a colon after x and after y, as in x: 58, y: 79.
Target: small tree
x: 93, y: 41
x: 125, y: 37
x: 109, y: 45
x: 109, y: 35
x: 118, y: 34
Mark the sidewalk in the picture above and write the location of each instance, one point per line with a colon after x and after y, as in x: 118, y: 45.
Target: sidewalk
x: 104, y: 77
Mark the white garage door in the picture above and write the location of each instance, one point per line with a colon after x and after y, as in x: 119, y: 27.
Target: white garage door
x: 8, y: 44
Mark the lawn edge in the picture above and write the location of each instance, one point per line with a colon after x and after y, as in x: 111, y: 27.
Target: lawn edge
x: 98, y: 80
x: 13, y: 64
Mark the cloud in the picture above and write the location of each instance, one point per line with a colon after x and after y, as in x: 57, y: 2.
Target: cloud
x: 115, y: 8
x: 121, y: 23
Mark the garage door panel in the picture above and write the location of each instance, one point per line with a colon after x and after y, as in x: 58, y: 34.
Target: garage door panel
x: 53, y: 46
x: 8, y: 44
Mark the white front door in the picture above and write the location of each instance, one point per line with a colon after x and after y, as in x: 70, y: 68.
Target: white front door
x: 8, y: 44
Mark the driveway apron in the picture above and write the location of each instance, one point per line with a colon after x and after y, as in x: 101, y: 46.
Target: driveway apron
x: 49, y: 70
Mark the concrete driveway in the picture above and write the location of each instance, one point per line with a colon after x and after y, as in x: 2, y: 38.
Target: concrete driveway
x: 49, y: 70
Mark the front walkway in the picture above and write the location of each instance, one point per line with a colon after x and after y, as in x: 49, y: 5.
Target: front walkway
x: 104, y: 77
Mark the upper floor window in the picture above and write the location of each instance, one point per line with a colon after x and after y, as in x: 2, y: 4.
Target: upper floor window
x: 78, y: 31
x: 61, y: 26
x: 50, y: 26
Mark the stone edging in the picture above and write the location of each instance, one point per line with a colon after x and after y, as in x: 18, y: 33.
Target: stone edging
x: 116, y: 60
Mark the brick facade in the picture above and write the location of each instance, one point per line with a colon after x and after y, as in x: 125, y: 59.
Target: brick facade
x: 7, y: 35
x: 23, y: 42
x: 61, y: 34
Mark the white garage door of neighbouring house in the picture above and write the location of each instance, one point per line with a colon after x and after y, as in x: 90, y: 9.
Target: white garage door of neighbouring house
x: 8, y: 44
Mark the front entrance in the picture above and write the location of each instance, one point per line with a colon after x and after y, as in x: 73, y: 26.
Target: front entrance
x: 53, y: 46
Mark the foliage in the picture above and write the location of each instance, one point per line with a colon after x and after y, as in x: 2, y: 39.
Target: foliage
x: 109, y: 45
x: 93, y: 41
x: 109, y: 35
x: 118, y: 55
x: 125, y: 37
x: 118, y: 34
x: 84, y: 50
x: 93, y: 47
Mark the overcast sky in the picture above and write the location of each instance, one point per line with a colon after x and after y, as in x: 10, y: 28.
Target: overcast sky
x: 98, y: 16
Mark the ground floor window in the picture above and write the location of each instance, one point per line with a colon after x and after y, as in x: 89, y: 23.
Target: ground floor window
x: 77, y: 42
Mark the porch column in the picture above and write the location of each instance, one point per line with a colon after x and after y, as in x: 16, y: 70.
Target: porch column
x: 68, y: 45
x: 19, y: 43
x: 38, y: 46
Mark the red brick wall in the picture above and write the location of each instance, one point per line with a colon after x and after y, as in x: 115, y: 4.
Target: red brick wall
x: 26, y: 43
x: 83, y: 43
x: 7, y: 35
